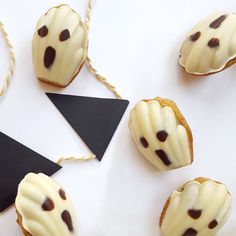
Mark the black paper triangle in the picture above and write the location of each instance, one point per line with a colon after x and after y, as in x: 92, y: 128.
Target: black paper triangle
x: 94, y: 119
x: 16, y: 160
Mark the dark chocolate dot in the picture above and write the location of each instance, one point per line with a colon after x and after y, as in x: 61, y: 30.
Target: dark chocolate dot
x: 213, y: 224
x: 48, y: 205
x: 64, y: 35
x: 62, y: 194
x: 144, y: 142
x: 195, y: 214
x: 195, y: 37
x: 216, y: 23
x: 190, y: 232
x: 214, y: 42
x: 162, y: 135
x: 66, y: 217
x: 43, y: 31
x: 49, y: 57
x: 163, y: 156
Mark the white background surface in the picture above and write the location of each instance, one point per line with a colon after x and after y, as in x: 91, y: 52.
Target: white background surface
x: 135, y: 43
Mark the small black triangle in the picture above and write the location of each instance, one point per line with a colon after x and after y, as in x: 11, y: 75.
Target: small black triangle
x: 94, y: 119
x: 16, y: 161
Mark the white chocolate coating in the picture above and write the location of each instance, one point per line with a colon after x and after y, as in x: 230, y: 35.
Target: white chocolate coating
x: 149, y: 118
x: 33, y: 190
x: 70, y: 53
x: 210, y: 198
x: 197, y: 57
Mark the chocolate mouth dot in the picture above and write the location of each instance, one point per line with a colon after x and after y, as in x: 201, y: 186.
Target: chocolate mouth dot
x: 217, y: 23
x: 163, y: 156
x: 190, y: 232
x: 66, y: 217
x: 49, y: 57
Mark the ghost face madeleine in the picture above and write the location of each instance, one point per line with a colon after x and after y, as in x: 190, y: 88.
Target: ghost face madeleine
x: 199, y: 208
x: 161, y: 133
x: 210, y: 46
x: 59, y: 46
x: 43, y: 208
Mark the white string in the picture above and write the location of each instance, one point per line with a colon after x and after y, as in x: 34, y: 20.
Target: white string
x: 100, y: 78
x: 12, y: 59
x: 89, y: 65
x: 74, y: 159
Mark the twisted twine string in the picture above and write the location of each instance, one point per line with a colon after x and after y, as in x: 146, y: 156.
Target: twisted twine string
x: 88, y: 14
x: 74, y: 159
x: 89, y: 65
x: 100, y: 78
x: 11, y: 56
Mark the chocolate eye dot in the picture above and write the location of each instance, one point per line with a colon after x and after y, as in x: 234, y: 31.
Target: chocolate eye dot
x: 214, y: 42
x: 62, y: 194
x: 144, y: 142
x: 195, y: 37
x: 213, y: 224
x: 64, y: 35
x: 195, y: 214
x: 43, y: 31
x: 48, y: 204
x: 162, y: 135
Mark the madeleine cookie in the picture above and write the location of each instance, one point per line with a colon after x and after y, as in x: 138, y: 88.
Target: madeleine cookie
x: 161, y: 133
x: 199, y: 208
x: 43, y: 208
x: 60, y: 46
x: 210, y: 46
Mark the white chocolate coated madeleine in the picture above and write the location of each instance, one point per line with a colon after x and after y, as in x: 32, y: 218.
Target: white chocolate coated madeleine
x: 43, y: 207
x: 161, y: 133
x: 60, y: 46
x: 200, y: 208
x: 210, y: 46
